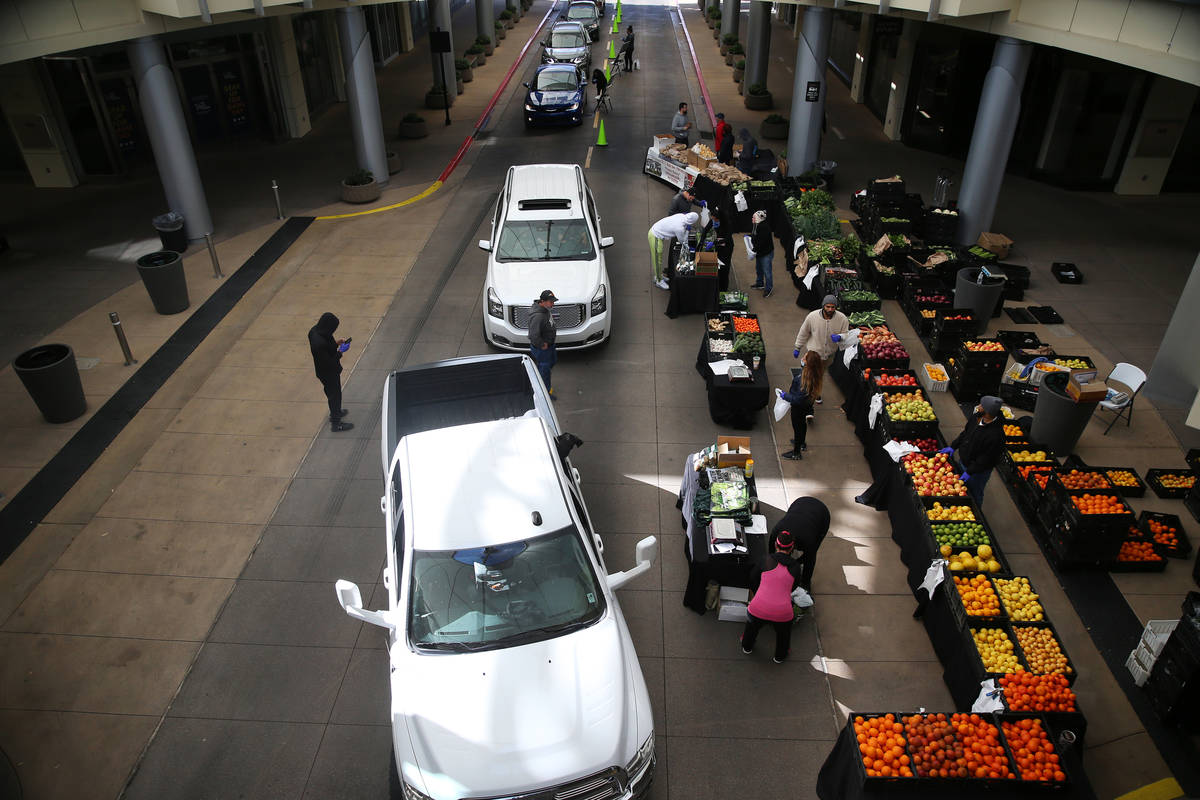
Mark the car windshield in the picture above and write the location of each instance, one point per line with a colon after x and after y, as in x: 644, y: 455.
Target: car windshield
x: 546, y: 240
x: 582, y: 11
x: 557, y: 80
x: 502, y: 595
x: 566, y: 39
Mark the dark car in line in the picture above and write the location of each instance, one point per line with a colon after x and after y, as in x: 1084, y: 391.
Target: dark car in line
x: 555, y: 96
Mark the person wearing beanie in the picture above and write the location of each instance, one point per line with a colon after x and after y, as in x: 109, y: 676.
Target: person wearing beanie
x: 763, y: 245
x: 807, y: 523
x: 772, y: 584
x: 977, y: 449
x: 673, y: 228
x: 822, y: 332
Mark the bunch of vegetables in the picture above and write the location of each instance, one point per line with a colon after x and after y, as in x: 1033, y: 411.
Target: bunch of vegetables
x: 746, y: 325
x: 893, y: 219
x: 898, y: 240
x: 858, y: 295
x: 812, y: 216
x: 750, y: 344
x: 976, y: 250
x: 866, y: 318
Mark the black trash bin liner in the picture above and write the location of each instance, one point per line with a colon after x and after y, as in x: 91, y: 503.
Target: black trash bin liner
x: 171, y: 232
x: 51, y: 377
x: 162, y: 274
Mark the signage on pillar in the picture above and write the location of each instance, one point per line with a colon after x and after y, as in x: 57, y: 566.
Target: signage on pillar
x: 439, y: 41
x: 812, y: 92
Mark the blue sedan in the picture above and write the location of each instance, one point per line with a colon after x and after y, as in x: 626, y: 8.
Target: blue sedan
x: 555, y: 96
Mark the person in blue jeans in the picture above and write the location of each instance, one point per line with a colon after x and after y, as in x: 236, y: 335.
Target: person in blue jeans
x: 763, y: 245
x: 541, y: 336
x: 978, y: 448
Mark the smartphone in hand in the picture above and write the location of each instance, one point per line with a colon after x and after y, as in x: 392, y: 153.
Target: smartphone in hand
x: 345, y: 345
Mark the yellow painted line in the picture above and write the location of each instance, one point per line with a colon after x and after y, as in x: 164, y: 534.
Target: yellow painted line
x: 844, y: 221
x: 587, y: 163
x: 596, y: 119
x: 433, y: 187
x: 1166, y: 789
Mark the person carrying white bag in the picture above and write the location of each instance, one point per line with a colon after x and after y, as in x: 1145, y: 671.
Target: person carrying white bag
x: 804, y: 389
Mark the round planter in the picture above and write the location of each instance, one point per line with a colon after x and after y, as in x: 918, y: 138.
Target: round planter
x: 488, y: 49
x: 758, y: 102
x: 162, y: 275
x: 435, y: 99
x: 414, y: 130
x: 51, y: 377
x: 724, y: 49
x: 729, y: 59
x: 394, y: 163
x: 508, y: 23
x: 362, y: 193
x: 773, y: 130
x: 480, y: 58
x: 466, y: 75
x: 458, y: 85
x: 738, y: 74
x: 741, y: 87
x: 501, y: 32
x: 717, y: 32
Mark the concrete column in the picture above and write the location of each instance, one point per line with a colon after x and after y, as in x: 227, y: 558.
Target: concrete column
x: 758, y: 43
x: 336, y: 61
x: 1175, y: 377
x: 281, y: 40
x: 169, y: 137
x: 485, y: 21
x: 991, y: 140
x: 35, y: 127
x: 858, y: 83
x: 361, y: 92
x: 404, y: 17
x: 443, y: 63
x: 812, y: 51
x: 731, y: 17
x: 901, y: 70
x: 1164, y: 116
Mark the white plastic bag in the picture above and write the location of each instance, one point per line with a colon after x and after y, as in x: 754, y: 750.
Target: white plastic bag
x: 705, y: 218
x: 801, y: 598
x: 782, y: 407
x: 749, y: 249
x: 739, y: 202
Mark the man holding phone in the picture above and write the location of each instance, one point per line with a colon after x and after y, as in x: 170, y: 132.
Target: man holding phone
x: 327, y: 363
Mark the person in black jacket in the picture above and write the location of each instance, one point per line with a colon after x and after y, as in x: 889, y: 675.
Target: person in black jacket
x: 807, y: 521
x: 762, y: 242
x: 627, y: 48
x: 327, y: 363
x: 772, y: 583
x: 542, y: 335
x: 977, y: 449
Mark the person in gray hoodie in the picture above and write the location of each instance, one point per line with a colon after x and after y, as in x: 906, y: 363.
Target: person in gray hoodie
x: 542, y: 335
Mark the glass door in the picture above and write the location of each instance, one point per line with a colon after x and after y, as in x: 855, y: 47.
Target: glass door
x: 82, y: 115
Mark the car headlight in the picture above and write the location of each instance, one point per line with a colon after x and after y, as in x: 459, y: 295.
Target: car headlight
x: 573, y: 107
x: 579, y: 59
x: 411, y: 793
x: 494, y: 306
x: 642, y: 758
x: 530, y: 108
x: 599, y: 301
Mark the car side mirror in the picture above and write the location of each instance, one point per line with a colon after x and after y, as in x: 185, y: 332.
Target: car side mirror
x: 525, y: 84
x: 645, y: 553
x: 485, y: 245
x: 607, y: 241
x: 350, y: 598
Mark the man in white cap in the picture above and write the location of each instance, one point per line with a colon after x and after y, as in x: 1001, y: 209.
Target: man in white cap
x: 822, y: 331
x: 978, y: 448
x: 673, y: 228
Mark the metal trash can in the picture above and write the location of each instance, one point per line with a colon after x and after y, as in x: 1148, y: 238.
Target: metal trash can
x: 826, y: 169
x: 51, y: 377
x: 981, y: 298
x: 1058, y: 421
x: 164, y: 279
x: 171, y: 232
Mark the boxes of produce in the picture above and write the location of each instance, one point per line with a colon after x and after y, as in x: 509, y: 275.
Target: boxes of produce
x: 994, y: 648
x: 1025, y: 691
x: 858, y: 300
x: 972, y: 597
x: 884, y: 380
x: 882, y: 747
x: 983, y: 354
x: 1020, y: 601
x: 1138, y: 553
x: 963, y: 751
x: 865, y: 318
x: 907, y: 414
x: 1032, y: 741
x: 1171, y: 484
x: 701, y: 156
x: 933, y: 377
x: 933, y: 475
x: 1125, y: 480
x: 1166, y: 531
x: 1042, y: 651
x: 879, y: 347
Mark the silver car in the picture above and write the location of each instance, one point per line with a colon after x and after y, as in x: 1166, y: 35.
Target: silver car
x: 568, y: 43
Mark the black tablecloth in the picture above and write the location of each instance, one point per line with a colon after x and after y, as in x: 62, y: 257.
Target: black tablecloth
x: 727, y: 570
x: 692, y: 294
x: 808, y: 298
x: 733, y: 403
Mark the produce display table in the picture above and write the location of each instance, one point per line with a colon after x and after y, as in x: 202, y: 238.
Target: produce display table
x: 733, y: 403
x: 681, y: 176
x: 692, y: 294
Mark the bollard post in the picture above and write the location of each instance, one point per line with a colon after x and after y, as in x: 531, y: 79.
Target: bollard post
x: 212, y: 254
x: 121, y: 340
x: 278, y: 207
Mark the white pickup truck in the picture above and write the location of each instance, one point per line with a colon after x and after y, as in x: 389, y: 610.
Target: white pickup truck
x: 513, y: 674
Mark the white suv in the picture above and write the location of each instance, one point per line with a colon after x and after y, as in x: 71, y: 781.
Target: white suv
x: 546, y: 235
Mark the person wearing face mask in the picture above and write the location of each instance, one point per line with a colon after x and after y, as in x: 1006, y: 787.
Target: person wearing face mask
x: 977, y: 449
x: 822, y: 331
x: 763, y: 245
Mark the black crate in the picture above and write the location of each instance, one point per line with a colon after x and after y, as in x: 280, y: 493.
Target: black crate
x: 1065, y: 272
x: 1072, y: 673
x: 954, y: 599
x: 1166, y: 492
x: 1018, y: 340
x: 877, y: 782
x: 1088, y: 363
x: 904, y: 429
x: 1192, y: 503
x: 883, y: 363
x: 975, y: 662
x: 1193, y: 458
x: 1020, y: 395
x: 1129, y: 491
x: 874, y: 386
x: 988, y: 359
x: 885, y: 189
x: 942, y: 325
x: 1157, y: 565
x: 1185, y: 544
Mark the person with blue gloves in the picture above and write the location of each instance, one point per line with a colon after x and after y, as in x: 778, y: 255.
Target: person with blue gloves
x: 805, y: 387
x: 683, y: 201
x: 327, y: 363
x: 978, y: 448
x: 822, y: 332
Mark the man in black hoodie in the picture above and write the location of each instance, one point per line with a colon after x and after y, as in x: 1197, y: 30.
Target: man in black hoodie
x: 327, y: 362
x: 542, y: 335
x: 977, y: 449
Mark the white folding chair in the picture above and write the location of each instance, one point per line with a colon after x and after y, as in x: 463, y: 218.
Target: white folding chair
x: 1122, y: 404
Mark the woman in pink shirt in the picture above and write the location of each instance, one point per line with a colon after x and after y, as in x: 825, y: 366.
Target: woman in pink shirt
x: 772, y: 586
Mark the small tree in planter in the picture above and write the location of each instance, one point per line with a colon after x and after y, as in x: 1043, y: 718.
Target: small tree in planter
x: 476, y: 54
x: 463, y: 67
x: 735, y: 51
x: 516, y: 11
x: 436, y: 97
x: 413, y: 126
x: 774, y: 127
x: 739, y: 70
x: 727, y: 40
x: 488, y: 48
x: 501, y: 31
x: 712, y: 15
x: 360, y: 187
x: 506, y: 17
x: 757, y: 98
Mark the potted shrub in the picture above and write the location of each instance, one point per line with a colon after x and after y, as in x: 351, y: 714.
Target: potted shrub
x: 463, y: 67
x: 518, y: 12
x: 360, y: 187
x: 735, y: 51
x: 708, y: 15
x: 727, y: 40
x: 476, y: 53
x: 757, y: 98
x: 394, y: 162
x: 413, y: 126
x: 739, y: 70
x: 488, y: 48
x: 501, y: 31
x: 436, y: 97
x: 506, y: 17
x: 774, y: 126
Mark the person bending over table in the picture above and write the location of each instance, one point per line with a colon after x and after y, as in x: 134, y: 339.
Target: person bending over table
x: 772, y: 584
x: 806, y: 523
x: 977, y: 449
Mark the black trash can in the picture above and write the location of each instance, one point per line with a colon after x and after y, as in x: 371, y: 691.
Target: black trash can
x: 162, y: 274
x: 171, y: 232
x: 982, y: 298
x: 51, y: 377
x: 1059, y: 421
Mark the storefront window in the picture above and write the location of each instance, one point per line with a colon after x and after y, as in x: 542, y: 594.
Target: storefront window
x: 315, y: 68
x: 948, y: 70
x: 881, y: 64
x: 384, y: 27
x: 843, y: 43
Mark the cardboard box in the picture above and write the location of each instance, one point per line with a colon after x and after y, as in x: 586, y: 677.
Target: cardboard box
x: 706, y: 263
x: 661, y: 140
x: 699, y: 162
x: 1083, y: 375
x: 733, y: 604
x: 1087, y: 392
x: 738, y: 451
x: 997, y: 243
